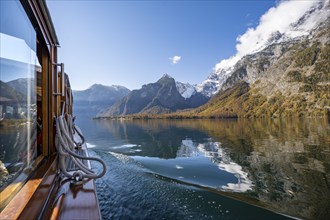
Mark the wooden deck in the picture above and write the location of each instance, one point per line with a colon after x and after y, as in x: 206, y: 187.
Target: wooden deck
x: 77, y: 202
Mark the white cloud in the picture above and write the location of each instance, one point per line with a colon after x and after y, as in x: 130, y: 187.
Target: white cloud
x: 175, y: 59
x: 279, y: 18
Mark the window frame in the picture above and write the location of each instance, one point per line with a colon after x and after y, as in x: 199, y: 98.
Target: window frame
x: 15, y: 197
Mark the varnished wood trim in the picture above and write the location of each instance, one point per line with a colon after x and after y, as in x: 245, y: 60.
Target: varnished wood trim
x: 9, y: 192
x: 45, y: 100
x: 41, y: 197
x: 22, y: 198
x: 40, y: 17
x: 41, y: 21
x: 79, y: 202
x: 76, y: 202
x: 56, y: 210
x: 18, y: 203
x: 53, y: 108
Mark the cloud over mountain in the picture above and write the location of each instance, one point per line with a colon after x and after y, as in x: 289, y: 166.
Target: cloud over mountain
x: 282, y: 19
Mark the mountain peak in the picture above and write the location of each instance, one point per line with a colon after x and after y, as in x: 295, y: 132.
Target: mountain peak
x: 164, y: 96
x: 167, y: 76
x: 95, y: 85
x: 100, y: 86
x: 307, y: 20
x: 166, y: 79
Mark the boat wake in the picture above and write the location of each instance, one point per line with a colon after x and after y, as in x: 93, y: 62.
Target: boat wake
x: 130, y: 190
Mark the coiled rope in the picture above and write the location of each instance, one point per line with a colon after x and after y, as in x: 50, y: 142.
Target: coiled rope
x: 66, y: 147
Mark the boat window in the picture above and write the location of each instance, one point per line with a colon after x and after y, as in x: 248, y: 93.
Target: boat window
x: 19, y: 125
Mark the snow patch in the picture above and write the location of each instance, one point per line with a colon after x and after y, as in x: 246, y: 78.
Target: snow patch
x: 287, y: 21
x: 185, y: 89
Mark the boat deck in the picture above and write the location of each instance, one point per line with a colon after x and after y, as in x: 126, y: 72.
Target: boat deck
x: 76, y: 201
x: 55, y: 197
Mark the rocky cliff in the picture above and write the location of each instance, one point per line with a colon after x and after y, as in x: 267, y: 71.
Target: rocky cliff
x: 162, y: 96
x: 289, y: 78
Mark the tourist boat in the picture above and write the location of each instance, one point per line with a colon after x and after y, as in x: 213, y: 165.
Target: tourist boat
x: 45, y: 171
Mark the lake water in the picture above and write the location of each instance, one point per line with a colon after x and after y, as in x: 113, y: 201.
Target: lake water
x: 210, y: 169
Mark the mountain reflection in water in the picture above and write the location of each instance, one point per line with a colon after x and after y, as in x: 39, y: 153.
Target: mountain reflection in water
x: 282, y: 165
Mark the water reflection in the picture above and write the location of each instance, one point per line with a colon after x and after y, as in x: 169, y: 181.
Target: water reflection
x: 283, y: 164
x: 218, y: 156
x: 19, y: 98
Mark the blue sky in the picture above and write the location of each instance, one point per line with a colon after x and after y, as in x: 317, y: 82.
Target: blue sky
x: 131, y: 43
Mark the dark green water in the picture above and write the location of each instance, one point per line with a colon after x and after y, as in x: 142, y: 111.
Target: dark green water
x: 204, y: 169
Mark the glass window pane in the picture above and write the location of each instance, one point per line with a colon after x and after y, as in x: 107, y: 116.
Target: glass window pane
x: 18, y: 110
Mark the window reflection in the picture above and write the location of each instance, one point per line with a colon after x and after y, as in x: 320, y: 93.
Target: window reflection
x: 18, y: 110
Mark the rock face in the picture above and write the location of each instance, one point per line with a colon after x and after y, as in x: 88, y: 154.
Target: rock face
x: 185, y: 89
x: 284, y: 72
x: 162, y: 96
x: 262, y: 62
x: 286, y: 76
x: 96, y: 98
x: 296, y: 82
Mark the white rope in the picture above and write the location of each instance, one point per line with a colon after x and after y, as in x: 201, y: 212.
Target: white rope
x: 66, y: 147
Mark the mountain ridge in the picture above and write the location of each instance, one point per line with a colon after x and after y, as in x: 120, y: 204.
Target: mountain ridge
x: 290, y: 78
x: 286, y: 72
x: 97, y: 97
x: 304, y: 27
x: 160, y: 97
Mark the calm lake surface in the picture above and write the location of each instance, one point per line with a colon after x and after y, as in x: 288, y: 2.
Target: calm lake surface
x: 211, y: 169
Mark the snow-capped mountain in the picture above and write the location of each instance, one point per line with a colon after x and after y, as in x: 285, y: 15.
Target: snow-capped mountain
x: 185, y: 89
x: 287, y: 22
x: 164, y: 96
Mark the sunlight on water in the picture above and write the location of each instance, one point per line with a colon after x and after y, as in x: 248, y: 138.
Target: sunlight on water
x: 125, y: 146
x: 90, y: 145
x: 178, y: 167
